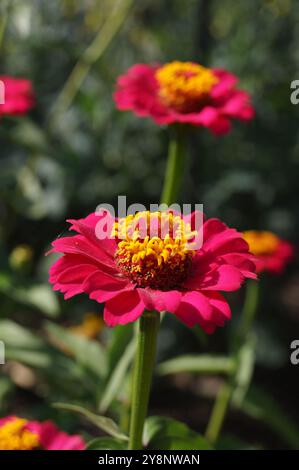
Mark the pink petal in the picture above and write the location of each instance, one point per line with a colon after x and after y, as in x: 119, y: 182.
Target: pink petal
x: 124, y: 308
x: 7, y: 419
x: 160, y: 300
x: 68, y: 278
x: 222, y: 241
x: 209, y: 117
x: 88, y: 228
x: 51, y: 438
x: 102, y: 287
x: 79, y: 245
x: 224, y: 278
x: 238, y: 106
x: 195, y: 309
x: 227, y: 81
x: 242, y: 262
x: 221, y: 308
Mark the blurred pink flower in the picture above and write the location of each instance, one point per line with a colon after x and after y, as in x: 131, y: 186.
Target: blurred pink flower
x: 18, y: 96
x: 183, y: 92
x: 19, y: 434
x: 271, y: 253
x: 131, y: 273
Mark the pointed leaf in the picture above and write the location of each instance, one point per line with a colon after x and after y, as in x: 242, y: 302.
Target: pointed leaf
x: 102, y: 422
x: 106, y: 443
x: 203, y: 364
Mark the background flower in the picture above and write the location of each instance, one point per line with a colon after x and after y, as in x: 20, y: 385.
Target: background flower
x: 272, y: 254
x: 19, y: 434
x: 18, y: 96
x: 183, y: 92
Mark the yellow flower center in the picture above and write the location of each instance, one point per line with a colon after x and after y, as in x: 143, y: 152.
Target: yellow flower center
x: 15, y: 436
x: 185, y: 85
x: 154, y: 249
x: 261, y: 242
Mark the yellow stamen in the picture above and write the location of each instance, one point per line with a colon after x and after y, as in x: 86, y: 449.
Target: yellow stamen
x: 15, y: 436
x: 154, y: 248
x: 261, y: 242
x: 184, y: 85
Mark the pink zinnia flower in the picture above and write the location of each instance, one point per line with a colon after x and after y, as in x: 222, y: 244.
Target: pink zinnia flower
x: 20, y: 434
x: 17, y: 94
x: 131, y: 272
x: 183, y: 92
x: 271, y: 253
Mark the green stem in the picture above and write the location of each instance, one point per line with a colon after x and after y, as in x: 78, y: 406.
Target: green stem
x: 3, y: 23
x: 4, y: 14
x: 225, y: 393
x: 142, y: 377
x: 91, y: 55
x: 174, y: 168
x: 249, y: 309
x: 219, y: 412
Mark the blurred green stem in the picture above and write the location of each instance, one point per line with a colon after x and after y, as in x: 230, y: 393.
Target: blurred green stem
x: 219, y: 412
x: 249, y: 309
x: 91, y: 55
x: 225, y: 393
x: 174, y: 167
x: 3, y: 23
x: 142, y: 376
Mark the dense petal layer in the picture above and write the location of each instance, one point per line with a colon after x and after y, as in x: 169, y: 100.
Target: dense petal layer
x: 195, y: 309
x: 51, y: 438
x: 102, y: 286
x: 160, y: 300
x: 124, y: 308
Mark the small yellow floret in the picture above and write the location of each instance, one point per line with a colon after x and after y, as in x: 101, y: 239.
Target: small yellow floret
x: 15, y: 436
x: 183, y: 85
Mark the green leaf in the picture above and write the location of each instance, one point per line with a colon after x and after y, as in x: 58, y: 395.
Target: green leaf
x: 117, y: 378
x: 16, y: 336
x: 87, y: 352
x: 245, y: 368
x: 106, y: 443
x: 261, y: 406
x: 203, y: 364
x: 231, y: 442
x: 168, y: 434
x: 102, y: 422
x: 39, y: 296
x: 38, y: 359
x: 120, y: 339
x: 6, y: 387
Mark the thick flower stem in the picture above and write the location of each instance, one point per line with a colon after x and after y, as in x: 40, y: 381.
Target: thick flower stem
x: 174, y: 167
x: 142, y: 377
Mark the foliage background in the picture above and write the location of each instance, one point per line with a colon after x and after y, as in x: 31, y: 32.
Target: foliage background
x: 75, y: 151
